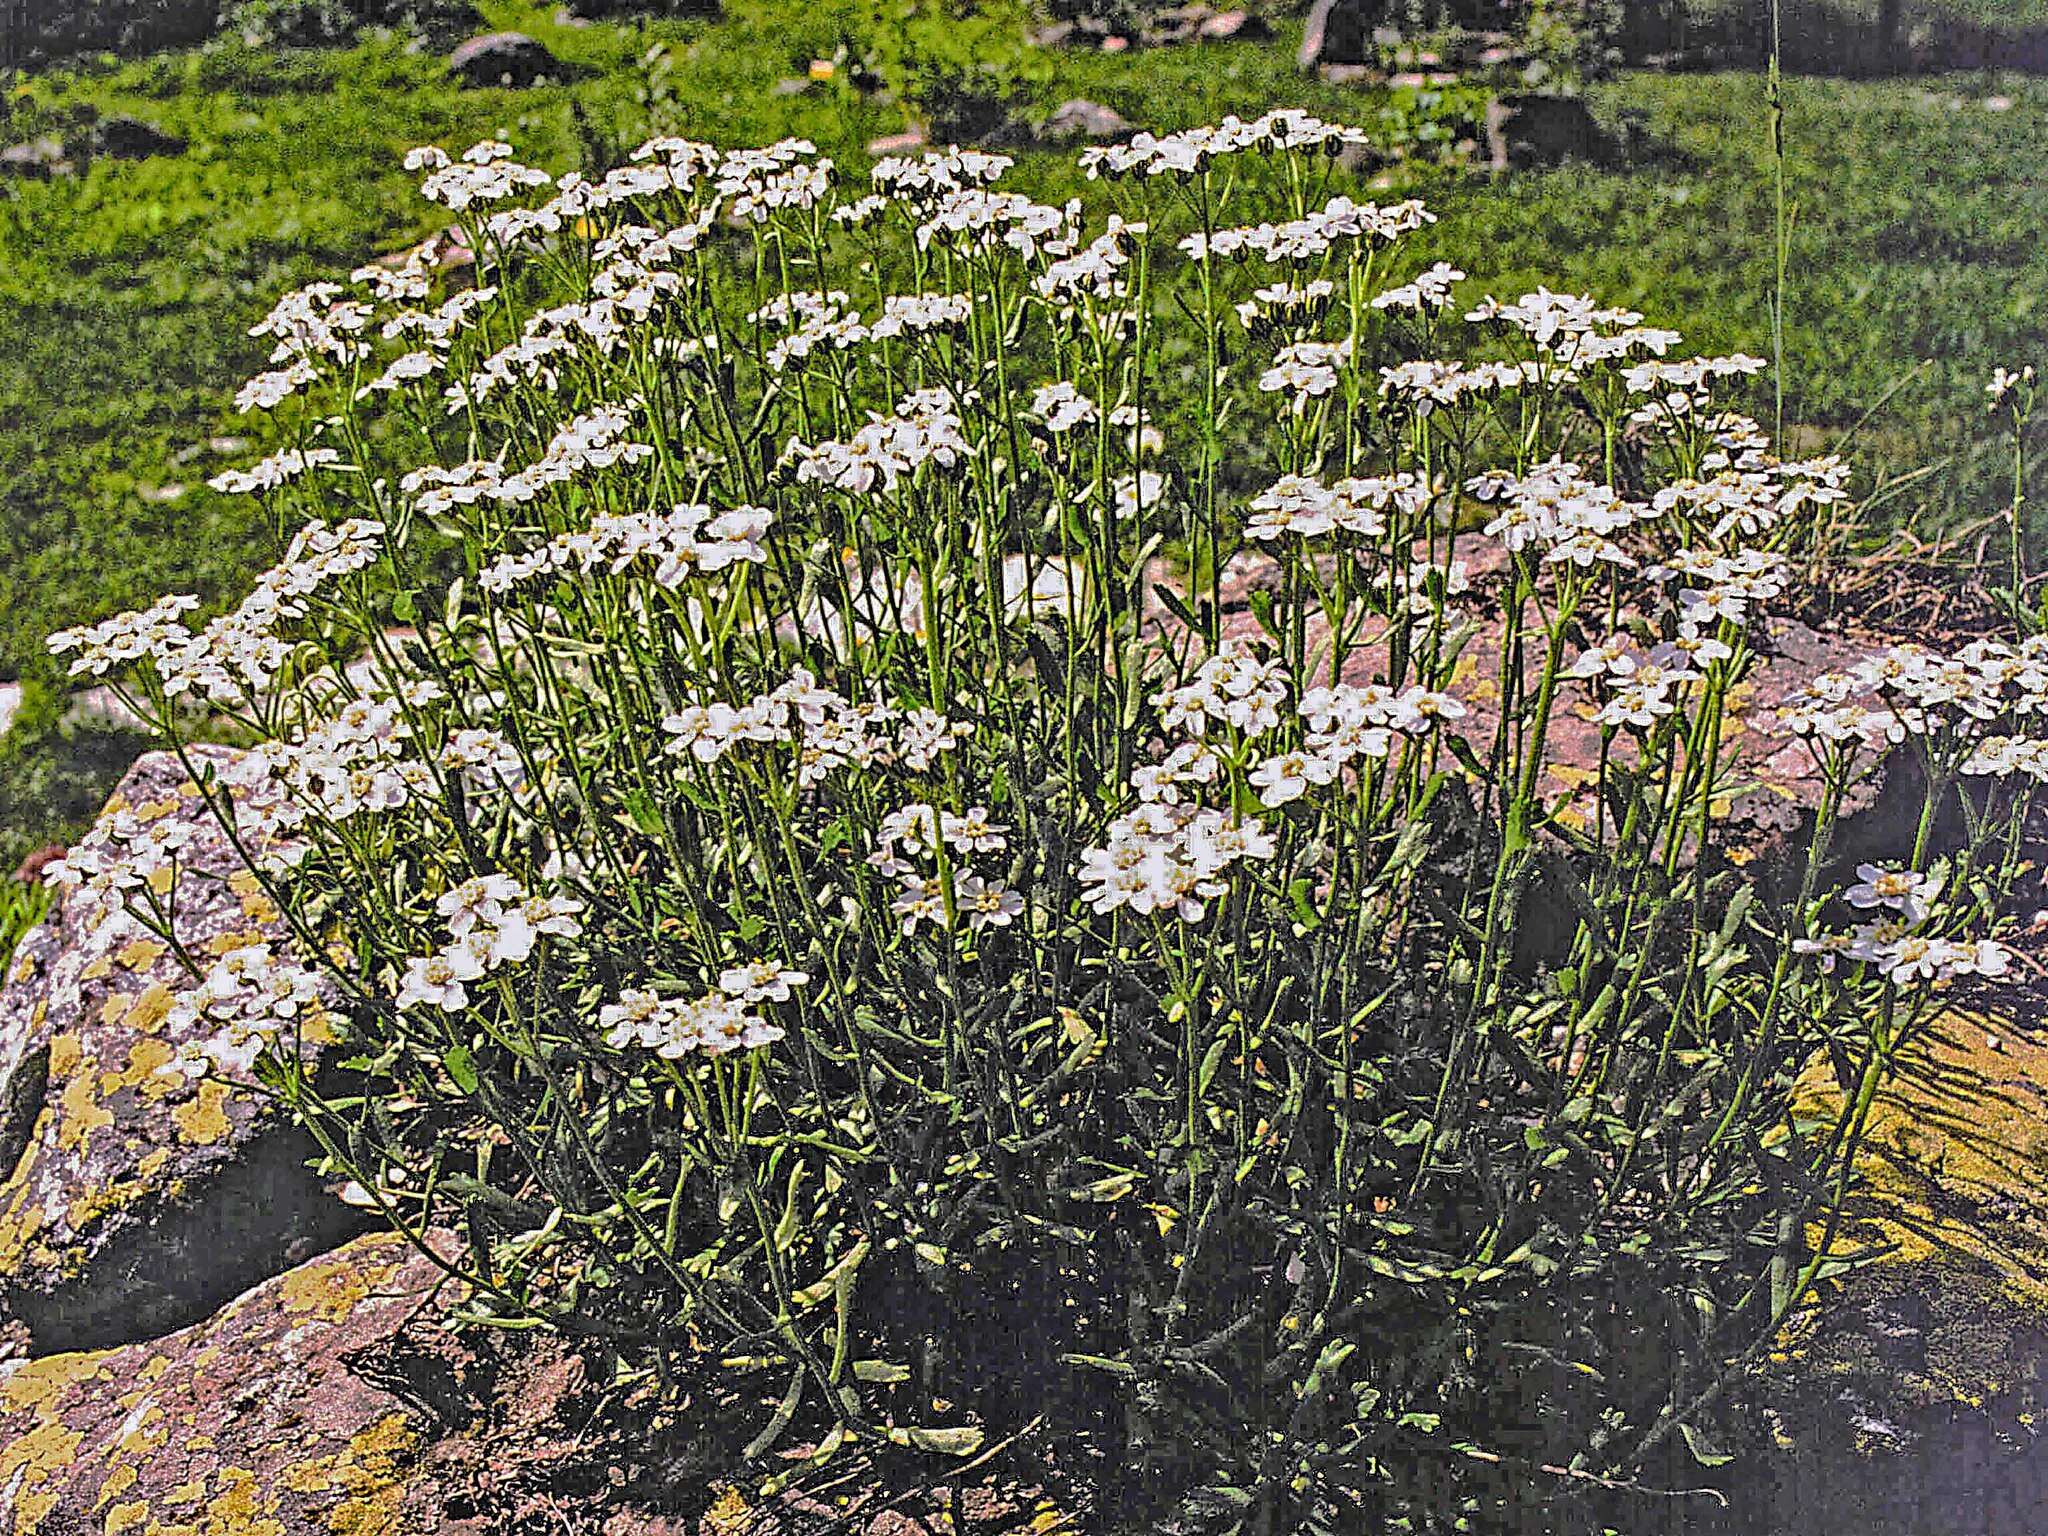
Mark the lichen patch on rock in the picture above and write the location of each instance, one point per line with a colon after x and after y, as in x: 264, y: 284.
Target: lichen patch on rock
x: 146, y: 1177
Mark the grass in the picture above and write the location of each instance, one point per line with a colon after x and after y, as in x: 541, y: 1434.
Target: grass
x: 125, y: 293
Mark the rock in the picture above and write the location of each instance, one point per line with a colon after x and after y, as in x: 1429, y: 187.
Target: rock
x: 37, y: 160
x: 446, y: 251
x: 1079, y: 32
x: 1081, y: 119
x: 140, y: 1195
x: 1764, y: 820
x: 1907, y: 1398
x: 1176, y: 24
x: 1538, y: 130
x: 1234, y: 26
x: 130, y: 138
x: 252, y: 1421
x: 504, y: 58
x: 10, y: 705
x: 30, y: 870
x: 908, y: 142
x: 1350, y: 74
x: 1336, y: 32
x: 104, y: 708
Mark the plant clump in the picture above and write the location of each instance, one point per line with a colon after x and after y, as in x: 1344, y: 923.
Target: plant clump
x: 835, y: 871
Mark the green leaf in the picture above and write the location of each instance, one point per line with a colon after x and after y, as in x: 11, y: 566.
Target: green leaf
x: 461, y: 1066
x: 1704, y: 1451
x: 960, y: 1440
x: 644, y: 813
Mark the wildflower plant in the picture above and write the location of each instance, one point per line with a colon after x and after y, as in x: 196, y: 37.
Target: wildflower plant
x: 844, y: 829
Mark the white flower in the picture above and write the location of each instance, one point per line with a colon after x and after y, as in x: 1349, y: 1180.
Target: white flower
x: 761, y: 981
x: 1902, y: 891
x: 1287, y: 776
x: 432, y: 982
x: 986, y: 903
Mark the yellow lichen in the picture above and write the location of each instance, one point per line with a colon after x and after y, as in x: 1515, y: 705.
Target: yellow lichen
x: 104, y: 1201
x: 729, y: 1515
x: 234, y: 1511
x: 259, y: 908
x: 203, y: 1120
x: 221, y: 944
x: 147, y: 1059
x: 141, y: 954
x: 80, y: 1113
x: 331, y: 1288
x: 35, y: 1386
x: 118, y: 1482
x: 125, y: 1517
x: 33, y: 1464
x: 150, y: 1009
x: 23, y: 1218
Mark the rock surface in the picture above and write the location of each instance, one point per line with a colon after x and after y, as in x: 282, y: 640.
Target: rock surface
x: 1336, y: 32
x: 130, y: 138
x: 504, y: 58
x: 1915, y: 1397
x: 142, y: 1192
x: 251, y: 1422
x: 1082, y: 120
x: 37, y: 159
x: 1535, y: 129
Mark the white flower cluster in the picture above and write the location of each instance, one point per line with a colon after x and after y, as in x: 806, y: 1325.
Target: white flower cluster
x: 1910, y: 691
x: 1169, y: 854
x: 673, y: 546
x: 486, y: 173
x: 1302, y: 506
x: 975, y: 220
x: 249, y: 998
x: 121, y: 854
x: 268, y: 474
x: 1170, y: 858
x: 1558, y: 506
x: 1285, y: 307
x: 925, y: 429
x: 823, y: 320
x: 827, y: 730
x: 1346, y: 723
x: 1192, y: 151
x: 240, y: 651
x: 1307, y: 239
x: 721, y: 1020
x: 1306, y: 371
x: 1429, y: 291
x: 592, y: 441
x: 1892, y: 942
x: 907, y: 848
x: 492, y: 922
